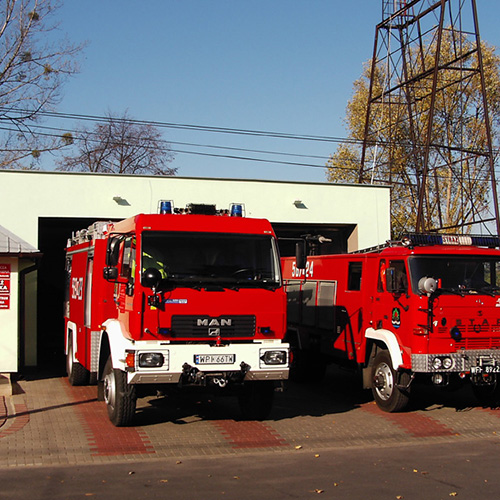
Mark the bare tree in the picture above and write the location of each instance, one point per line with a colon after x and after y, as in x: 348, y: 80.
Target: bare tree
x: 120, y: 145
x: 34, y: 64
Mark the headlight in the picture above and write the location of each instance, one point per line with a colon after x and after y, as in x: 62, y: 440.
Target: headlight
x: 436, y: 363
x: 274, y: 357
x: 447, y: 363
x: 151, y: 359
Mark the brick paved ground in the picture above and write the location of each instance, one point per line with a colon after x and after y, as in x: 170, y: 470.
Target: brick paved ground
x: 49, y: 422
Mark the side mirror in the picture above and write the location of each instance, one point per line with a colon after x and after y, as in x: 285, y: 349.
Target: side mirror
x: 151, y: 278
x: 300, y: 255
x: 110, y: 273
x: 113, y: 251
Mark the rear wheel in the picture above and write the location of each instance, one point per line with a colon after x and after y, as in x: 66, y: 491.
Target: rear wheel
x: 256, y: 400
x: 77, y: 373
x: 120, y: 397
x: 388, y: 396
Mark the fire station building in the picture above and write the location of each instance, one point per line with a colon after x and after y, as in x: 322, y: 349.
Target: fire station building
x: 40, y: 210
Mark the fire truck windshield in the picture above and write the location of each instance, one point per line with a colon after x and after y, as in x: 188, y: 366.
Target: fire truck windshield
x: 457, y: 274
x: 220, y: 259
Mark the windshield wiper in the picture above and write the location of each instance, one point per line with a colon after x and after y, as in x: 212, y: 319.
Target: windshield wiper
x: 490, y: 289
x: 467, y: 290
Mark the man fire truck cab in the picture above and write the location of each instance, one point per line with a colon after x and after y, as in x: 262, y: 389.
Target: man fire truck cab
x: 428, y: 305
x: 185, y: 297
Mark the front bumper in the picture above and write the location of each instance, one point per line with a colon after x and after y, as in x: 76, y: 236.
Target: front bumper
x: 462, y: 361
x: 245, y: 360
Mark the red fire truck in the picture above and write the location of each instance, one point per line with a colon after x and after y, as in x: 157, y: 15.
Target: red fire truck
x: 428, y: 305
x: 185, y: 297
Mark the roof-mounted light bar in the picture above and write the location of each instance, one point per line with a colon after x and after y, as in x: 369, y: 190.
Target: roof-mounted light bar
x: 421, y: 239
x: 167, y: 207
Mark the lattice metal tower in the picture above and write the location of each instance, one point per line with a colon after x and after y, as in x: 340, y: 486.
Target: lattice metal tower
x: 428, y: 131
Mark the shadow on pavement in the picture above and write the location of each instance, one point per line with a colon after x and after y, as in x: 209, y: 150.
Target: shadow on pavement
x: 339, y: 392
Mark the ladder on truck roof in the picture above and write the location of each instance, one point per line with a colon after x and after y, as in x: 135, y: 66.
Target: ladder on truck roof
x: 96, y: 231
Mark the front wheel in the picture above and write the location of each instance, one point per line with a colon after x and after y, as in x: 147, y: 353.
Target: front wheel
x: 386, y: 392
x: 256, y: 400
x: 119, y: 396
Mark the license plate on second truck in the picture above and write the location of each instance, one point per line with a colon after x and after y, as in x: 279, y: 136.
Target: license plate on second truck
x: 214, y: 359
x: 478, y: 370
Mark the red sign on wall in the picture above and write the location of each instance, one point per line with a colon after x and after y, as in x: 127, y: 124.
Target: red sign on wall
x: 4, y: 286
x: 5, y: 271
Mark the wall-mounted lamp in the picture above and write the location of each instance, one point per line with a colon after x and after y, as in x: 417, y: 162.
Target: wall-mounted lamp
x: 121, y: 201
x: 299, y: 204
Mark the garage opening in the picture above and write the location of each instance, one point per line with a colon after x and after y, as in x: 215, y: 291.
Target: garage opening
x: 53, y: 233
x: 335, y: 237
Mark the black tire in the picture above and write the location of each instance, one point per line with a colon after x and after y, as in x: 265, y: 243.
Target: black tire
x: 120, y: 397
x: 388, y: 396
x: 487, y: 395
x: 77, y: 373
x: 256, y: 400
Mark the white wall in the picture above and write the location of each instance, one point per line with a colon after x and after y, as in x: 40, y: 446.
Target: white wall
x: 27, y: 195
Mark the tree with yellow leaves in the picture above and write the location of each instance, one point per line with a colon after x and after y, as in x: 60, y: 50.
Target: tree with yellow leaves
x: 456, y: 188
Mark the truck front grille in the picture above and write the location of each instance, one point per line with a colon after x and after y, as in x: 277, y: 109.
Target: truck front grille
x: 211, y: 327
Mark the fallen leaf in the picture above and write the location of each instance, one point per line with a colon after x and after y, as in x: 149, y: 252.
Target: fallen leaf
x: 415, y: 470
x: 178, y: 462
x: 399, y: 497
x: 318, y: 491
x: 236, y: 477
x: 335, y: 484
x: 163, y: 480
x: 453, y: 494
x: 317, y: 455
x: 131, y: 472
x: 298, y: 447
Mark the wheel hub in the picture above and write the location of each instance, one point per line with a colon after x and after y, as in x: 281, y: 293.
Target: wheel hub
x: 383, y: 381
x: 109, y: 389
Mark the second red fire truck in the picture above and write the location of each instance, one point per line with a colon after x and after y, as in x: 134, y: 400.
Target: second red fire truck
x: 426, y: 306
x: 189, y: 297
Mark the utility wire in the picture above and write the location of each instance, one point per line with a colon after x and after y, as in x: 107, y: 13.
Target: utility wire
x: 183, y: 126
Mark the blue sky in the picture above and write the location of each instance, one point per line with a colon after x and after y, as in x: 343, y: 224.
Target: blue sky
x: 273, y: 65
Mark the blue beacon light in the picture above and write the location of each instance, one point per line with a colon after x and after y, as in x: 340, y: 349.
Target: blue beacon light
x: 236, y: 210
x: 165, y: 207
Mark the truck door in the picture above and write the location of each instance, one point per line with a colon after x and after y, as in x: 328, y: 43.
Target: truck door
x: 391, y: 299
x: 125, y: 286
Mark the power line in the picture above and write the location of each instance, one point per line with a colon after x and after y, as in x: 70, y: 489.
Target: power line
x: 183, y: 126
x: 213, y: 155
x: 201, y: 128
